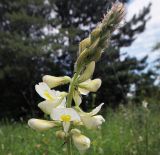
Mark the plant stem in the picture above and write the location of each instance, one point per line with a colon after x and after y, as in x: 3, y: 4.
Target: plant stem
x: 69, y: 146
x: 69, y: 104
x: 71, y: 90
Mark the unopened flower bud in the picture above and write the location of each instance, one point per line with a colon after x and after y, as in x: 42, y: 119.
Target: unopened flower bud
x: 60, y: 134
x: 88, y: 55
x: 90, y: 85
x: 84, y: 44
x: 40, y: 125
x: 88, y: 72
x: 95, y: 34
x: 75, y: 131
x: 53, y: 81
x: 81, y: 142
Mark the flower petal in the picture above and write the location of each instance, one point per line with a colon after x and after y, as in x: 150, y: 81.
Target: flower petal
x: 91, y: 85
x: 94, y: 122
x: 48, y: 106
x: 62, y: 103
x: 40, y: 125
x: 77, y: 98
x: 66, y: 126
x: 57, y: 114
x: 96, y: 110
x: 44, y: 91
x: 54, y: 81
x: 83, y: 91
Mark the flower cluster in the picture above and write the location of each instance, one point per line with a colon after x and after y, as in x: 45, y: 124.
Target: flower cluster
x: 63, y: 116
x: 66, y: 115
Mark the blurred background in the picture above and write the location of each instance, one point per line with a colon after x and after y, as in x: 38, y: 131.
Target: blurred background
x: 39, y: 37
x: 42, y: 37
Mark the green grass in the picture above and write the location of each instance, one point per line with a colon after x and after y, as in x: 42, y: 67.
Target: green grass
x: 127, y: 131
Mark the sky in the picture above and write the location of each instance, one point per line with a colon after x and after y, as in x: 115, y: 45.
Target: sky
x: 145, y: 41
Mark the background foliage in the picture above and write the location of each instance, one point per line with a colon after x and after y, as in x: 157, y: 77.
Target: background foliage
x: 41, y: 37
x: 131, y: 130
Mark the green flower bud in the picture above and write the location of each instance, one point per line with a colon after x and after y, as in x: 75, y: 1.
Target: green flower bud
x: 84, y: 44
x: 60, y: 134
x: 88, y: 55
x: 95, y: 34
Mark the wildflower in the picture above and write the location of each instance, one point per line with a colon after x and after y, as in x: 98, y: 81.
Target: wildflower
x: 91, y: 48
x: 85, y: 84
x: 41, y: 125
x: 53, y: 81
x: 53, y: 99
x: 61, y: 111
x: 66, y: 116
x: 145, y: 104
x: 81, y: 142
x: 85, y: 87
x: 89, y: 86
x: 91, y: 120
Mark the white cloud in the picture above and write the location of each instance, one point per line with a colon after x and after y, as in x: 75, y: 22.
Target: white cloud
x: 145, y: 41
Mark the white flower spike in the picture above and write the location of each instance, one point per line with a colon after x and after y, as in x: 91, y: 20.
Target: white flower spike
x: 59, y: 108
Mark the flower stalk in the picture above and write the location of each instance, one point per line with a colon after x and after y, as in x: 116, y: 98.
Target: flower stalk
x: 58, y: 105
x: 71, y: 90
x: 69, y: 146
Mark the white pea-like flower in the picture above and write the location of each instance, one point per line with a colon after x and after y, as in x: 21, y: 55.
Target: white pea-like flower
x: 84, y: 88
x: 41, y: 125
x: 89, y: 86
x: 85, y: 84
x: 81, y: 142
x: 91, y: 120
x: 53, y: 99
x: 66, y: 116
x: 53, y: 81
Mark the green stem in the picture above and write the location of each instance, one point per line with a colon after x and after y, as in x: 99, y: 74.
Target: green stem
x: 69, y: 146
x: 69, y: 104
x: 71, y: 90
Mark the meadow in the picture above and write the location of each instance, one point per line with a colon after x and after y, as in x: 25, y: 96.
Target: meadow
x: 128, y: 130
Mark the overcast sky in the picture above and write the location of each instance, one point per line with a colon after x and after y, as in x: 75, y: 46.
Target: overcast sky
x: 145, y: 41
